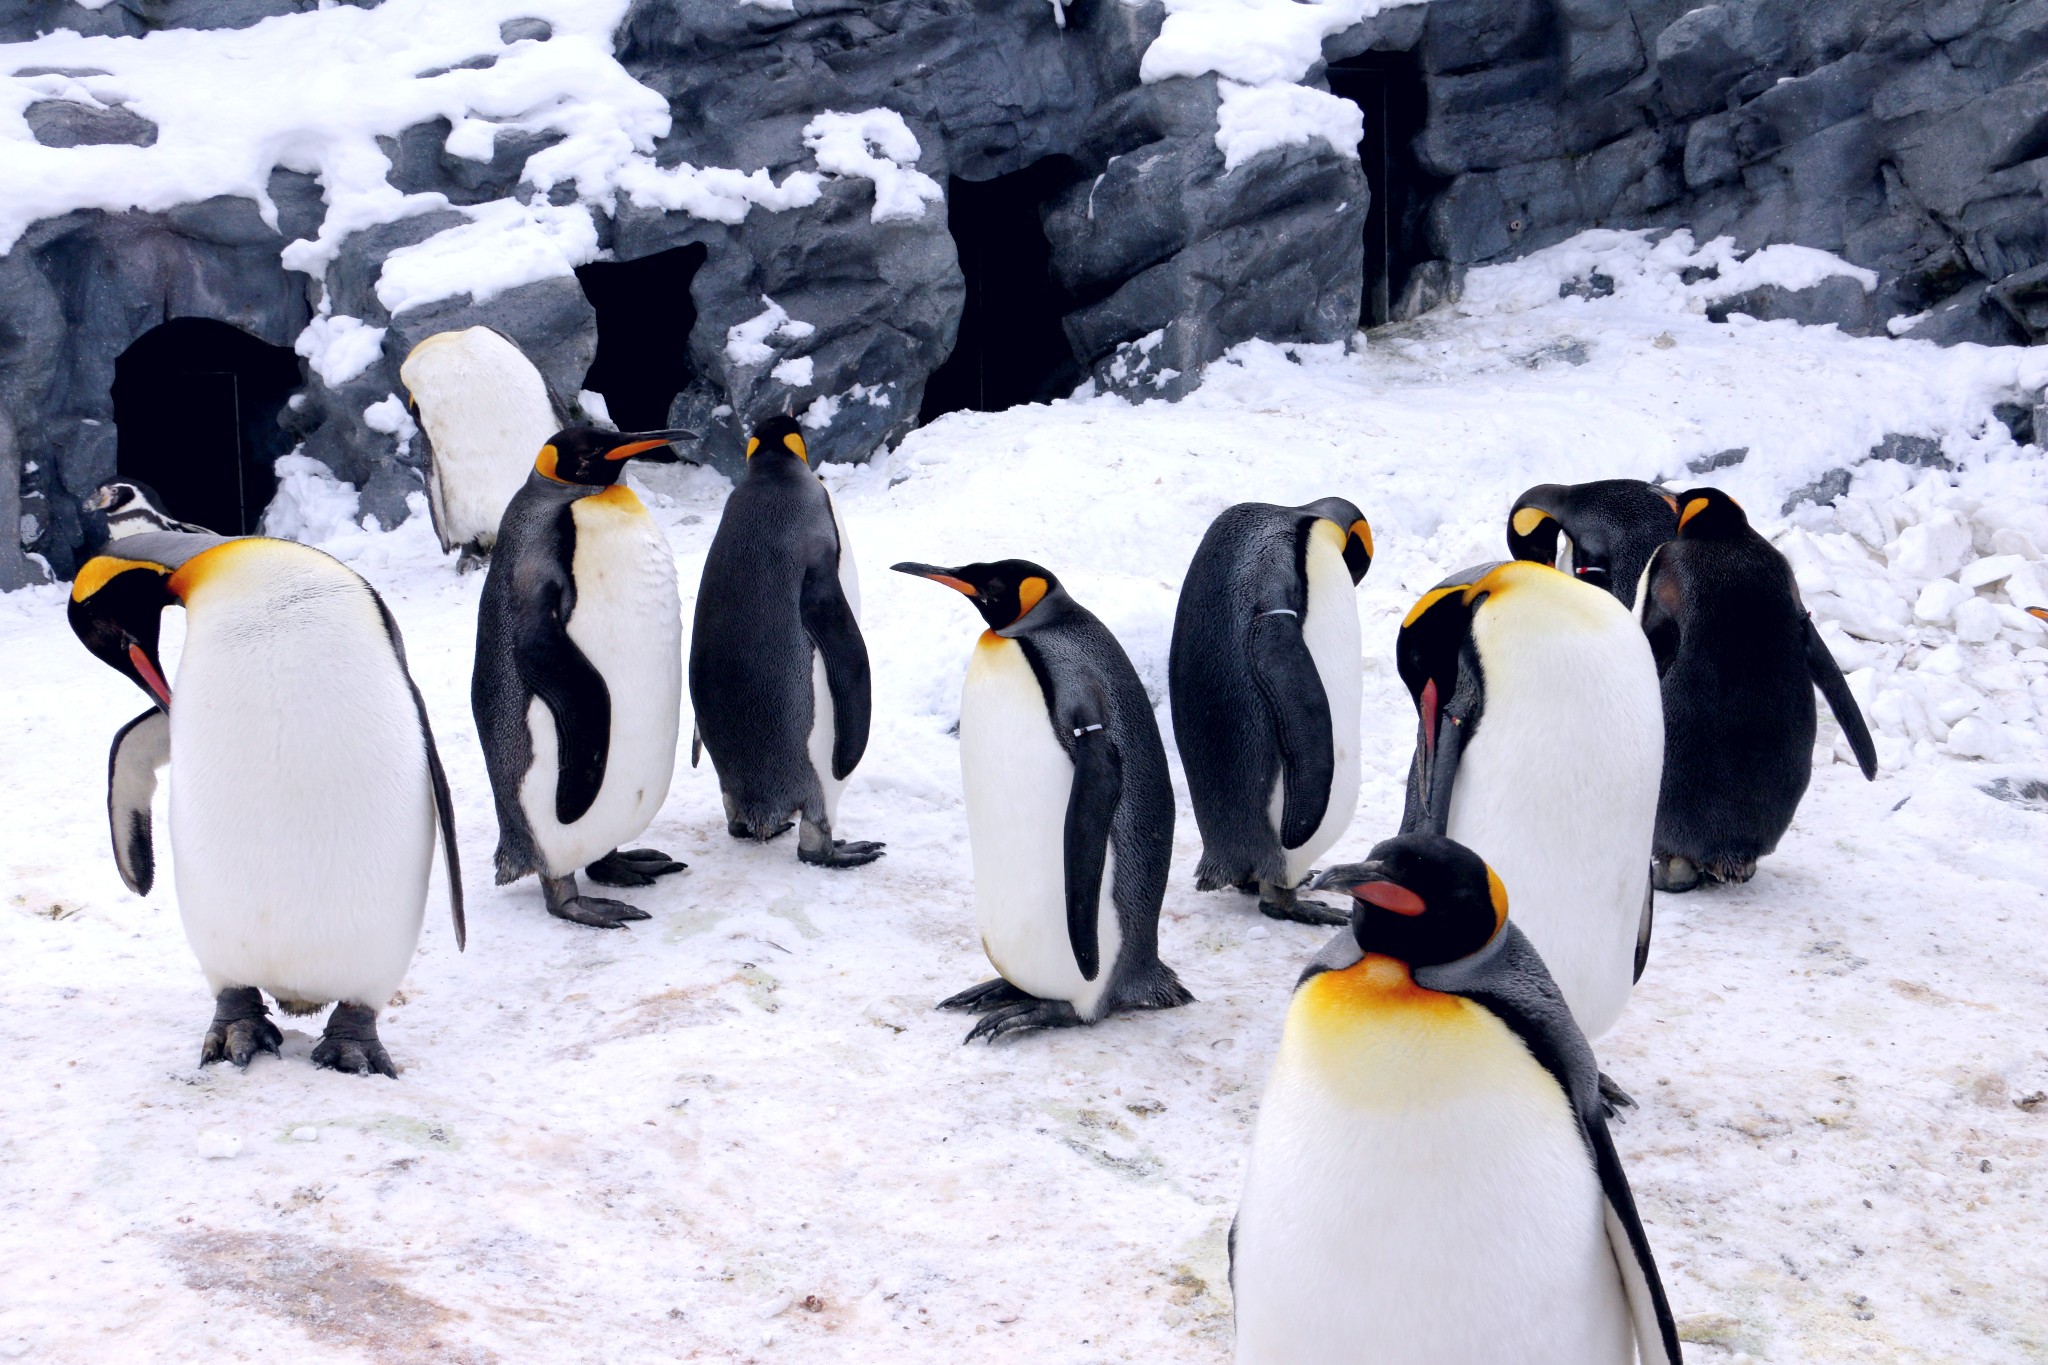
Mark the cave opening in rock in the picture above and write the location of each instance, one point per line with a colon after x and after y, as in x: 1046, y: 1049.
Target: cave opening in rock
x: 1011, y: 348
x: 196, y: 404
x: 644, y: 317
x: 1387, y: 87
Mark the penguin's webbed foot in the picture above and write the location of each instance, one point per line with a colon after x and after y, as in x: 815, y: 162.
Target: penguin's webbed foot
x: 1614, y: 1099
x: 1279, y: 902
x: 241, y: 1028
x: 1028, y: 1014
x: 1674, y: 872
x: 472, y: 558
x: 632, y: 867
x: 985, y: 997
x: 565, y: 902
x: 350, y: 1043
x: 740, y: 829
x: 842, y: 853
x: 1734, y: 871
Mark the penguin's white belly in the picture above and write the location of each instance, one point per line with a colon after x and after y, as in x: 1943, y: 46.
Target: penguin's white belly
x: 628, y: 622
x: 487, y: 414
x: 1330, y: 630
x: 301, y: 812
x: 1417, y: 1193
x: 1018, y: 781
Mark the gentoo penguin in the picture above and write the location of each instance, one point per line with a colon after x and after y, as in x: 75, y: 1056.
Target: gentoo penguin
x: 1069, y: 809
x: 1739, y: 658
x: 483, y: 410
x: 1540, y: 740
x: 1431, y: 1179
x: 778, y: 669
x: 578, y: 683
x: 308, y: 786
x: 1602, y: 532
x: 131, y: 508
x: 1265, y: 680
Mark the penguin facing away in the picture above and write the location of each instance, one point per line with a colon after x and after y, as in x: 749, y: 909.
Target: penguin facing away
x: 1540, y: 741
x: 577, y: 689
x: 1601, y: 533
x: 308, y: 785
x: 1739, y: 659
x: 778, y: 669
x: 1431, y: 1180
x: 483, y: 410
x: 1265, y: 679
x: 132, y: 508
x: 1069, y: 809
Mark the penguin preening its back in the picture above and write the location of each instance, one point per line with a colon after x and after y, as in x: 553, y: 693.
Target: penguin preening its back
x: 132, y: 508
x: 1539, y: 743
x: 1431, y: 1178
x: 778, y: 669
x: 483, y: 410
x: 1265, y: 680
x: 1069, y: 808
x: 577, y: 690
x: 1602, y: 532
x: 308, y: 786
x: 1739, y: 658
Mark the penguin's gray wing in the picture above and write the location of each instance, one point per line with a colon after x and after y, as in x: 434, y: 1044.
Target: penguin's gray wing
x: 141, y: 747
x: 1827, y: 676
x: 1646, y: 924
x: 1508, y: 978
x: 567, y: 683
x: 1293, y: 692
x: 437, y: 777
x: 1091, y: 805
x: 830, y: 622
x: 1657, y: 604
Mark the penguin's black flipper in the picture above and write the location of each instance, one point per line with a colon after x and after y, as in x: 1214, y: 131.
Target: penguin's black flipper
x: 1646, y: 925
x: 1098, y: 783
x: 556, y: 671
x: 437, y: 777
x: 830, y: 622
x: 140, y: 747
x: 1286, y: 675
x: 1827, y: 676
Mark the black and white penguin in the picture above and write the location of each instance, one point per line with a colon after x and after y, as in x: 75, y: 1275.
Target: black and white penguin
x: 131, y: 507
x: 579, y: 674
x: 1431, y: 1179
x: 1069, y: 809
x: 778, y: 668
x: 483, y: 410
x: 1602, y: 532
x: 1739, y: 659
x: 1265, y: 679
x: 308, y: 786
x: 1540, y: 741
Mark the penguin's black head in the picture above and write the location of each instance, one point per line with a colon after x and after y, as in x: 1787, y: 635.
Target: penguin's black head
x: 117, y: 612
x: 1357, y: 534
x: 594, y: 457
x: 1003, y: 592
x: 1710, y: 514
x: 779, y: 435
x: 1612, y: 524
x: 1421, y: 899
x: 1434, y: 644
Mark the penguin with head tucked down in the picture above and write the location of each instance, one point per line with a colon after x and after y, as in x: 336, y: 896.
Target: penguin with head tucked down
x: 1739, y: 658
x: 1431, y: 1179
x: 778, y: 668
x: 131, y: 507
x: 1265, y: 680
x: 578, y: 683
x: 1069, y: 809
x: 1601, y: 533
x: 308, y: 786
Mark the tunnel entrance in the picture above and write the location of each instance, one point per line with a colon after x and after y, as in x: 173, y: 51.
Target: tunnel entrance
x: 196, y: 404
x: 1011, y: 348
x: 1387, y: 87
x: 644, y: 317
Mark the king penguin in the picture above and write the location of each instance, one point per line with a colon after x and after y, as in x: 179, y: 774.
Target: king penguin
x: 1431, y: 1180
x: 308, y: 786
x: 1069, y: 809
x: 1601, y: 533
x: 1540, y: 740
x: 579, y: 669
x: 1739, y: 659
x: 778, y: 669
x: 483, y: 410
x: 1265, y: 680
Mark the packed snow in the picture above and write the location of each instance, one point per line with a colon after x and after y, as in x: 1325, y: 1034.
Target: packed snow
x: 740, y: 1132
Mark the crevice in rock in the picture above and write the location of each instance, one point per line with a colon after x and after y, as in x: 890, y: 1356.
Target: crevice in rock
x: 1387, y: 87
x: 644, y: 316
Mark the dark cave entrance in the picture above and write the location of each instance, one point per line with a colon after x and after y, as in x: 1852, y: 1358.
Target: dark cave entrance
x: 644, y: 317
x: 1011, y: 348
x: 196, y: 404
x: 1387, y: 87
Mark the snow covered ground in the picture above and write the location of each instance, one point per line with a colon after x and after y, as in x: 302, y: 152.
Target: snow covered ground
x: 739, y: 1132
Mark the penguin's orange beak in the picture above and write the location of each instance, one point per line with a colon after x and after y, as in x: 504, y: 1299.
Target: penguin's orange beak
x: 939, y: 575
x: 639, y: 443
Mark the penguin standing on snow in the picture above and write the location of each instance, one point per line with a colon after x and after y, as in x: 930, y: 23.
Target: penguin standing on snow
x: 1601, y: 533
x: 308, y: 786
x: 1540, y: 741
x: 132, y: 508
x: 483, y: 410
x: 578, y: 684
x: 1069, y: 809
x: 1739, y: 658
x: 1264, y: 675
x: 778, y: 669
x: 1431, y: 1179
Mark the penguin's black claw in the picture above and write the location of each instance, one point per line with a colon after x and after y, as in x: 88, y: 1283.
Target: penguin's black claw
x: 1674, y: 873
x: 842, y: 853
x: 597, y: 912
x: 632, y: 867
x: 1027, y: 1014
x: 241, y: 1028
x: 740, y: 829
x: 350, y: 1043
x: 985, y: 997
x: 1305, y: 912
x: 1614, y: 1099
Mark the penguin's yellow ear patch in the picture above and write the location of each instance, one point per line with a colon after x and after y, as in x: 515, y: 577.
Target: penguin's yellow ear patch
x: 1029, y: 593
x: 1498, y: 894
x: 1692, y: 509
x: 753, y: 444
x: 101, y: 570
x: 1528, y: 519
x: 1364, y: 534
x: 544, y: 464
x: 1430, y: 599
x: 794, y: 444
